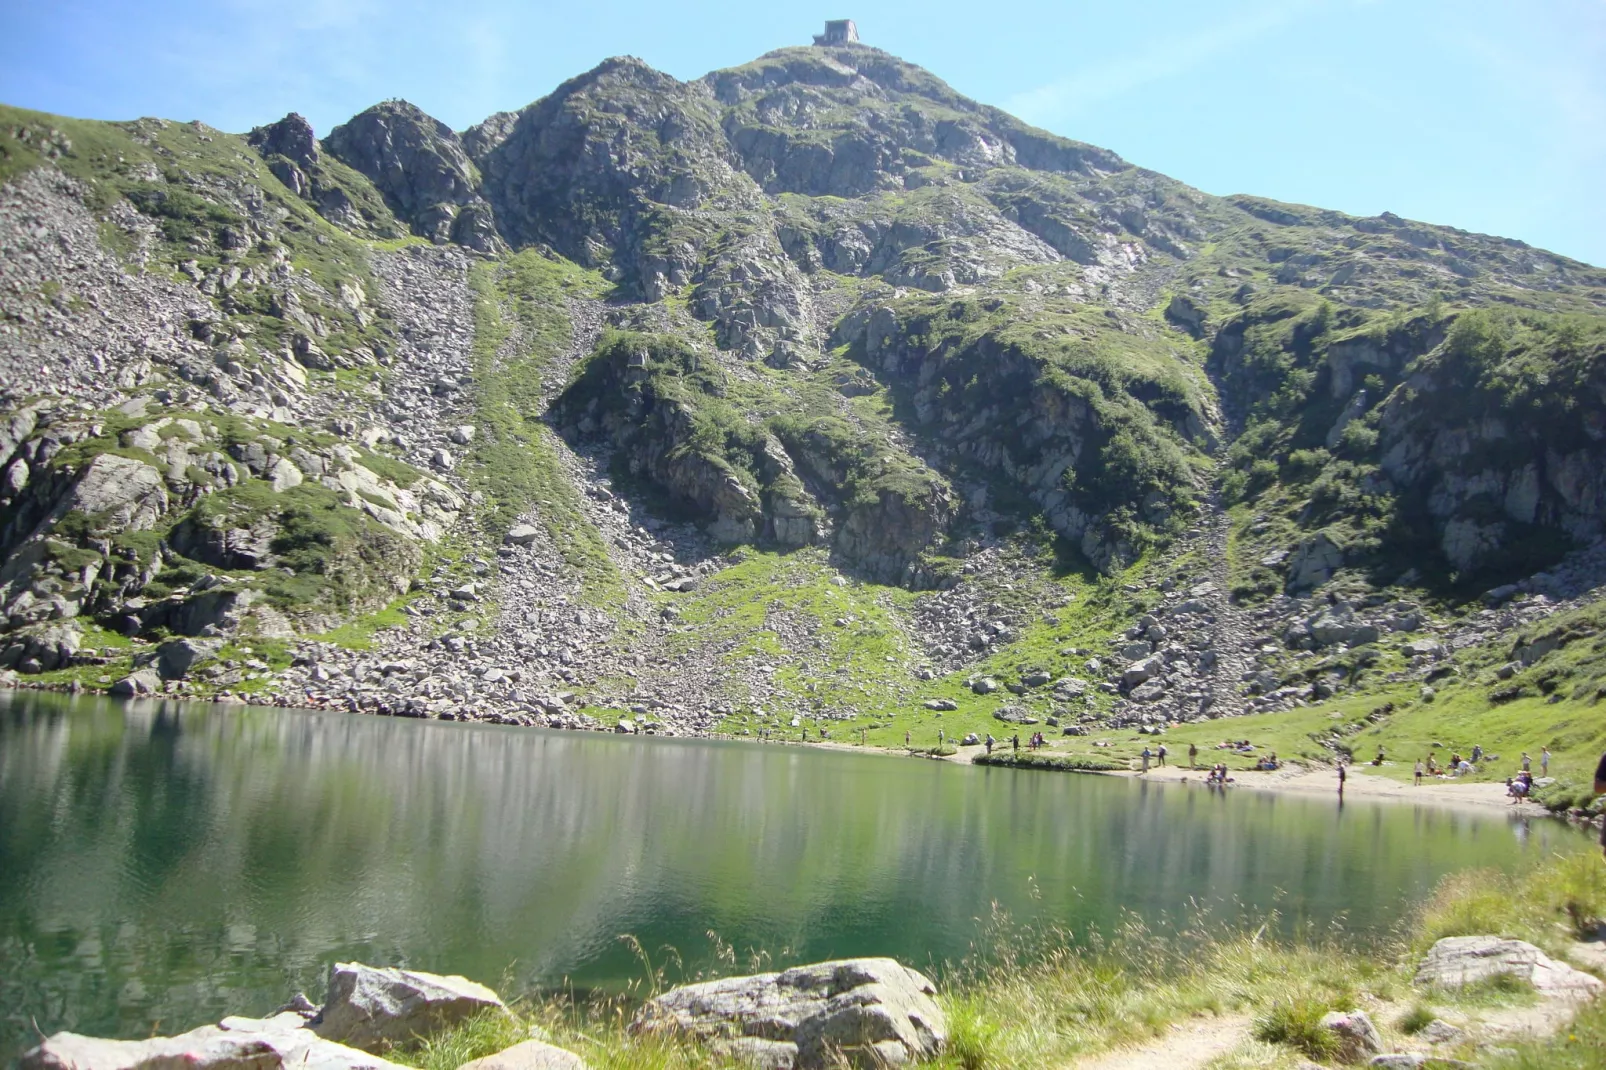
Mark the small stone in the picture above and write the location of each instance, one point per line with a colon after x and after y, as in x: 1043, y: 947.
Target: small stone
x: 530, y: 1055
x: 1358, y: 1038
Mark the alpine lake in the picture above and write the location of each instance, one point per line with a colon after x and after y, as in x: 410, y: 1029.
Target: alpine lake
x: 164, y: 864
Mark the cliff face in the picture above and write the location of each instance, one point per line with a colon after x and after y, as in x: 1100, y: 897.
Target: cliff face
x: 266, y: 385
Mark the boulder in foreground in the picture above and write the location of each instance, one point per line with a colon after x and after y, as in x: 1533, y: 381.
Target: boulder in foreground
x: 207, y: 1048
x: 1463, y: 960
x: 875, y: 1012
x: 1358, y: 1038
x: 374, y: 1008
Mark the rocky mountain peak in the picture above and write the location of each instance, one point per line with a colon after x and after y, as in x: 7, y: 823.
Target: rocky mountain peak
x: 290, y: 137
x: 418, y: 163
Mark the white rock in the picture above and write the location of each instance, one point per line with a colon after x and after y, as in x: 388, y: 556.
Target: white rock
x: 207, y: 1048
x: 1462, y: 960
x: 874, y: 1011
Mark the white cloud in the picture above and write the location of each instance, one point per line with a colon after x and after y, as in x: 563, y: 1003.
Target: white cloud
x: 1168, y: 58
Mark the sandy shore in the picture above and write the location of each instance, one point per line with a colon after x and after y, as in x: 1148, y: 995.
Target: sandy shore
x: 1296, y: 780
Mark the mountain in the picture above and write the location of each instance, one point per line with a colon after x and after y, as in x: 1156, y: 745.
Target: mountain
x: 810, y: 388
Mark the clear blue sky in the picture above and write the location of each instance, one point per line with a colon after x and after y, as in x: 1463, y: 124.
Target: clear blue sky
x: 1484, y: 114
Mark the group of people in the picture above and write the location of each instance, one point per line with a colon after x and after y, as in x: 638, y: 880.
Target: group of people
x: 1035, y: 741
x: 1518, y: 786
x: 1147, y: 756
x: 1218, y: 774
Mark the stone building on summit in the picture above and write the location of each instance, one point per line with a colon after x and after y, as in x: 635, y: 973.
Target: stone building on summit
x: 838, y: 32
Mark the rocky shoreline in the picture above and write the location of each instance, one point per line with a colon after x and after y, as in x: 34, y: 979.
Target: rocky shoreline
x: 872, y: 1012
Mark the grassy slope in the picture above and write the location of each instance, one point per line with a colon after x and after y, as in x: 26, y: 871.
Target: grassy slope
x: 516, y: 465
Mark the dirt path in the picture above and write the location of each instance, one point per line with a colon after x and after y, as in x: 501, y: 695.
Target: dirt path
x: 1184, y: 1046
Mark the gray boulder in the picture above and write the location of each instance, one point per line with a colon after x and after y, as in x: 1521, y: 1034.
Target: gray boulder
x: 1456, y: 961
x: 1440, y: 1031
x: 1013, y: 715
x: 136, y: 684
x: 521, y: 535
x: 1141, y: 671
x: 530, y: 1055
x: 1425, y: 648
x: 875, y: 1012
x: 372, y: 1008
x: 1358, y: 1038
x: 1339, y: 624
x: 176, y: 657
x: 1313, y: 562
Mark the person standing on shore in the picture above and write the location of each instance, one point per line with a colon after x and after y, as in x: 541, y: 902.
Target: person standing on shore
x: 1544, y: 761
x: 1600, y: 789
x: 1341, y: 776
x: 1162, y: 753
x: 1419, y: 772
x: 1193, y: 754
x: 1526, y: 761
x: 1145, y: 756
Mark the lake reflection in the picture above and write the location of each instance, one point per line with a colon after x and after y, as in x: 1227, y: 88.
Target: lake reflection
x: 164, y: 863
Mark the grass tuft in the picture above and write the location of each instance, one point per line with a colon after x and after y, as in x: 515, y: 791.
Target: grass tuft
x: 1298, y: 1023
x: 1413, y: 1021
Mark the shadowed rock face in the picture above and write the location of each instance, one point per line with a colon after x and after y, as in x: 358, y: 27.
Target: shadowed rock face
x: 290, y: 137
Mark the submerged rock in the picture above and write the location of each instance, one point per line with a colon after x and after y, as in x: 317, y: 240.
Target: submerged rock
x: 873, y: 1011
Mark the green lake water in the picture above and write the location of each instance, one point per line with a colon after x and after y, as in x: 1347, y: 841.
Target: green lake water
x: 163, y: 864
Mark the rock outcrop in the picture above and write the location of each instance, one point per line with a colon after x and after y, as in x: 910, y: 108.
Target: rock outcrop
x: 419, y: 165
x: 369, y: 1010
x: 1457, y: 961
